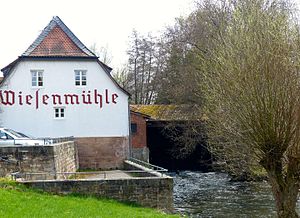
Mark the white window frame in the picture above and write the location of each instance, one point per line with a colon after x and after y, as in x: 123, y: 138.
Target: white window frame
x: 59, y: 113
x: 80, y: 78
x: 35, y: 75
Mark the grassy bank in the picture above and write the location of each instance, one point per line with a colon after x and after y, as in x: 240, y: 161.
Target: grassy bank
x: 18, y: 201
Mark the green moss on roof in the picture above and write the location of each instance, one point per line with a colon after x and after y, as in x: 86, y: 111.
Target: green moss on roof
x: 165, y: 112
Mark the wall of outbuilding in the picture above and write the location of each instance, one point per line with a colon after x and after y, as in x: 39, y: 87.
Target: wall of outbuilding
x: 139, y: 138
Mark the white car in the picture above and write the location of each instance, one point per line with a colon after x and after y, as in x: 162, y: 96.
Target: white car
x: 11, y: 137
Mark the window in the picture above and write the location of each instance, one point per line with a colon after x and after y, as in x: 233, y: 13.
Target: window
x: 80, y: 77
x: 133, y: 128
x: 59, y: 112
x: 36, y: 78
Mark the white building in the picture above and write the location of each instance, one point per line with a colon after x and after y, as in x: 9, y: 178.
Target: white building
x: 59, y: 88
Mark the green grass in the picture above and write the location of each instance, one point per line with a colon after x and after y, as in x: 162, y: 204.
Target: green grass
x: 18, y: 201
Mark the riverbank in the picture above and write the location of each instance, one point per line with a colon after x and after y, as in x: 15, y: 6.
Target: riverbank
x: 18, y: 201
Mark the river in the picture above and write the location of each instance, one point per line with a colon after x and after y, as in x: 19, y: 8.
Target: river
x: 213, y: 195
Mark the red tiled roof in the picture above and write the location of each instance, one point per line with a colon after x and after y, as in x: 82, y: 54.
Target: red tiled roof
x: 57, y: 43
x: 57, y: 40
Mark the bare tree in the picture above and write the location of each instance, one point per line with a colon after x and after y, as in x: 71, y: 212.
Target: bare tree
x: 134, y: 55
x: 103, y: 53
x: 253, y: 93
x: 121, y: 76
x: 143, y: 68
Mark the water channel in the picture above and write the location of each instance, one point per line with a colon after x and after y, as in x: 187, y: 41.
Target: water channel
x: 212, y: 194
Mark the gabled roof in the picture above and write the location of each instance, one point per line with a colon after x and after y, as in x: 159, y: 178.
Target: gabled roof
x: 57, y: 40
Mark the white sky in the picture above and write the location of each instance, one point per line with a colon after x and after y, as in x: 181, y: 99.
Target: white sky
x: 105, y: 22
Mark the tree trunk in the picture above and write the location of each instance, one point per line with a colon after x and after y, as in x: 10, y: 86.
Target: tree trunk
x: 135, y: 81
x: 285, y: 188
x: 286, y: 200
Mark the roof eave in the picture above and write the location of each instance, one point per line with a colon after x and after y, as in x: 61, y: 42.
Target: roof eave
x: 58, y: 57
x: 107, y: 70
x: 140, y: 114
x: 11, y: 65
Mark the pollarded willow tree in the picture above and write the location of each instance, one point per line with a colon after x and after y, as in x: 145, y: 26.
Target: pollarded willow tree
x: 253, y: 92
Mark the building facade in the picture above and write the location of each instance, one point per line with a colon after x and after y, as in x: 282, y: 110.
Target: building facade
x: 59, y: 88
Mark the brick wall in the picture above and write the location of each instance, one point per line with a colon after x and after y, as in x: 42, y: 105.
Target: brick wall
x: 155, y: 192
x: 139, y: 139
x: 60, y: 157
x: 102, y: 152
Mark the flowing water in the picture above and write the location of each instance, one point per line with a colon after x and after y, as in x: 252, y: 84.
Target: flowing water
x: 214, y: 195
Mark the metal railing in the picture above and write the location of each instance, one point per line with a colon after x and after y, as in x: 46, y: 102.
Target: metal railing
x: 148, y: 165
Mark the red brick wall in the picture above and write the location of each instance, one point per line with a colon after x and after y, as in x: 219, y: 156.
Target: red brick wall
x: 102, y: 152
x: 139, y: 139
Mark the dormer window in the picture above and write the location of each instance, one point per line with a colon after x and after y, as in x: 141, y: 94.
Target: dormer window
x: 80, y: 78
x: 37, y: 78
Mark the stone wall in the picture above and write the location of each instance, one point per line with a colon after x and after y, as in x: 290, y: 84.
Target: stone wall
x: 102, y: 153
x: 65, y: 157
x: 59, y: 157
x: 155, y: 192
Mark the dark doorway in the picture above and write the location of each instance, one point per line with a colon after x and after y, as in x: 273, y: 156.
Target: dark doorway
x: 161, y: 147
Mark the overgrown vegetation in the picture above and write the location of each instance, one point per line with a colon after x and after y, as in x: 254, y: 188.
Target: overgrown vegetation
x: 238, y: 61
x: 253, y: 93
x: 18, y: 201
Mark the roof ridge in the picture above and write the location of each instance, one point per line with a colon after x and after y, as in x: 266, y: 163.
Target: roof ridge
x: 56, y: 21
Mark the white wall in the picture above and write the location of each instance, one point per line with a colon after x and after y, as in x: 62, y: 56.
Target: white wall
x: 80, y: 120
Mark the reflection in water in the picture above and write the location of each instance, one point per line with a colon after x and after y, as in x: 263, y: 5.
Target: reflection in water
x: 214, y: 195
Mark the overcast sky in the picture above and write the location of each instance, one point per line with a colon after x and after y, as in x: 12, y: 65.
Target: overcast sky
x: 105, y: 22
